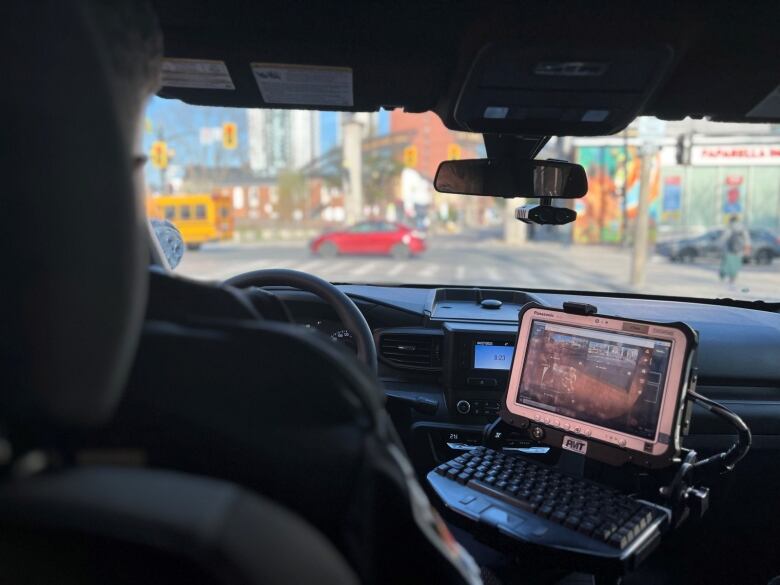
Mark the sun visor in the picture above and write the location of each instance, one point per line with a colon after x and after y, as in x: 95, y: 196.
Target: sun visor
x: 558, y: 91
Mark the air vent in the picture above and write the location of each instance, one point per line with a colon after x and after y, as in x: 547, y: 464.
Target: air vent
x: 416, y: 351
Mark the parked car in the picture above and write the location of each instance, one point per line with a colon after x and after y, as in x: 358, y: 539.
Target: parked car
x: 371, y: 237
x: 765, y: 247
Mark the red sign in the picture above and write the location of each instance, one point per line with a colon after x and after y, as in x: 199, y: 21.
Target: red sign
x: 732, y: 202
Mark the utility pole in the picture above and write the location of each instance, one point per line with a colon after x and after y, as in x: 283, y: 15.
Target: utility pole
x: 624, y: 193
x: 642, y: 221
x: 515, y: 232
x: 353, y: 163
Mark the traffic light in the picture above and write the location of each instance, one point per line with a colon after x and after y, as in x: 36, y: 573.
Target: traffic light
x: 410, y: 156
x: 453, y: 151
x: 230, y: 135
x: 159, y: 154
x: 682, y: 150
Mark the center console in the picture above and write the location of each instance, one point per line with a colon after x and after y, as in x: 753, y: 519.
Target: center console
x: 476, y: 368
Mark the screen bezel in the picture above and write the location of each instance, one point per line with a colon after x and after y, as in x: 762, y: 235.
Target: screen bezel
x: 670, y: 401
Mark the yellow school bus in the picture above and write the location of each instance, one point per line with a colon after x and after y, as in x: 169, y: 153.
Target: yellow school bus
x: 200, y: 217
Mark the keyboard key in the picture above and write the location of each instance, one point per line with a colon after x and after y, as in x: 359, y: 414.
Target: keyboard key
x: 610, y: 526
x: 602, y: 533
x: 619, y: 541
x: 558, y: 516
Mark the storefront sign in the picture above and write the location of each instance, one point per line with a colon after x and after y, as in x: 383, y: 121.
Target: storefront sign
x: 736, y: 154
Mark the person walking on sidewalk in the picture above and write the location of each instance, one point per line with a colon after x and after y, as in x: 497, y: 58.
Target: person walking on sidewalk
x: 735, y: 244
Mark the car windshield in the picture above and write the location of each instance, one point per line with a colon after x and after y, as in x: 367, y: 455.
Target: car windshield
x: 349, y: 197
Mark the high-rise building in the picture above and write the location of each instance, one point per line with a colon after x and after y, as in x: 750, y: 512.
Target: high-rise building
x: 304, y: 137
x: 282, y: 139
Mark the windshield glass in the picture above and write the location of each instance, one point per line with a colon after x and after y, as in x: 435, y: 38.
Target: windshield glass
x: 349, y: 197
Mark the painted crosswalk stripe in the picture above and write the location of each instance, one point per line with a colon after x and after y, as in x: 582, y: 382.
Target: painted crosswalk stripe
x: 363, y: 269
x: 225, y: 272
x: 397, y: 269
x: 312, y: 266
x: 460, y: 273
x: 339, y: 266
x: 429, y: 271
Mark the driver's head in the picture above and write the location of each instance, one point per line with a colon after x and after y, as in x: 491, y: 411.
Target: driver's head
x: 131, y: 40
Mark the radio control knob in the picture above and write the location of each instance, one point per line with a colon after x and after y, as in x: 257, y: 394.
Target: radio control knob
x: 463, y: 406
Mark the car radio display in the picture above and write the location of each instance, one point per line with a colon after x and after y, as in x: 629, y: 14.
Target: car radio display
x: 614, y: 380
x: 493, y: 355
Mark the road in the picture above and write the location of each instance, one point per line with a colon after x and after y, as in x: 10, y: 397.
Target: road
x: 470, y: 261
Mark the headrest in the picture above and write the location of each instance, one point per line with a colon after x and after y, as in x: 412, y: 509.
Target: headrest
x: 74, y: 263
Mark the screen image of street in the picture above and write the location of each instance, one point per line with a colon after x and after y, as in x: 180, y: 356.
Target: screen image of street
x: 609, y: 379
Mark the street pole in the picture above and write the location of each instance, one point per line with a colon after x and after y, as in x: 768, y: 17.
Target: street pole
x: 642, y: 221
x: 624, y: 194
x: 515, y: 232
x: 353, y: 161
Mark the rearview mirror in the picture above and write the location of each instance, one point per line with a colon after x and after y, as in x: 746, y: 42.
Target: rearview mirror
x: 499, y: 178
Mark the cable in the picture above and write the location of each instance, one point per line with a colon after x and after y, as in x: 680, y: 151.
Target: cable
x: 729, y: 458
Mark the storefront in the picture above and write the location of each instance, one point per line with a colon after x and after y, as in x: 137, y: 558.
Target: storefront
x: 722, y: 181
x: 723, y: 177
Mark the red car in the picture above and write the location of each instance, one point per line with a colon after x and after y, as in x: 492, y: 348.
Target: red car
x: 371, y: 237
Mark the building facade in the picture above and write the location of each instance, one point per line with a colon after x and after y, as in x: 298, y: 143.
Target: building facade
x: 282, y: 139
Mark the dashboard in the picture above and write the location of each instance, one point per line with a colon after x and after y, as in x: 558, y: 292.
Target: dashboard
x: 441, y: 365
x: 444, y: 355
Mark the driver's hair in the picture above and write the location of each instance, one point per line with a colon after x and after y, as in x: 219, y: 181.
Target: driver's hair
x: 129, y: 34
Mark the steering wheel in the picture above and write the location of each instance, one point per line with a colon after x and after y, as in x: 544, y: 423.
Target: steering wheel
x: 345, y: 308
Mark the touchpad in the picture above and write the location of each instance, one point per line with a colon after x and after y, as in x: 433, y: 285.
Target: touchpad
x: 498, y: 516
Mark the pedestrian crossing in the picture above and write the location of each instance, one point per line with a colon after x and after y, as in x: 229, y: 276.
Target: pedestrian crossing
x: 383, y: 270
x: 532, y: 267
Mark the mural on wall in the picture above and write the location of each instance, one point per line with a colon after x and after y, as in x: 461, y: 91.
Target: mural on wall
x: 671, y: 199
x: 612, y: 170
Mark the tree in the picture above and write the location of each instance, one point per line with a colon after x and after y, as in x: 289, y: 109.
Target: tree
x: 292, y: 192
x: 380, y: 171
